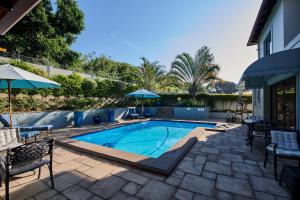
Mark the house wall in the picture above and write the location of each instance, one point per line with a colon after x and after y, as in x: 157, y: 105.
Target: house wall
x: 291, y: 20
x: 284, y: 25
x: 275, y: 24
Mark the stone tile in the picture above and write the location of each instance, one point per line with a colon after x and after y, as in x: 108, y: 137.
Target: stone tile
x: 264, y: 196
x: 198, y: 184
x: 86, y: 182
x: 234, y: 185
x: 231, y: 157
x: 247, y: 169
x: 136, y: 178
x: 154, y: 190
x: 225, y: 162
x: 77, y: 193
x: 210, y: 150
x: 200, y: 159
x: 240, y: 175
x: 27, y: 190
x: 95, y: 198
x: 108, y: 186
x: 123, y: 196
x: 202, y: 197
x: 250, y: 162
x: 268, y: 185
x: 221, y: 195
x: 131, y: 188
x: 183, y: 195
x: 45, y: 194
x: 190, y: 167
x: 58, y: 197
x: 218, y: 168
x: 66, y: 180
x: 240, y: 197
x: 209, y: 175
x: 212, y: 158
x: 100, y: 171
x: 173, y: 180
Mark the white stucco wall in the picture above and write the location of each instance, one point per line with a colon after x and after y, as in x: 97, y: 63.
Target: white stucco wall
x: 275, y: 24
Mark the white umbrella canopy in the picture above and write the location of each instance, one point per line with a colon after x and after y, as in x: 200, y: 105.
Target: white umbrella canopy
x: 13, y: 77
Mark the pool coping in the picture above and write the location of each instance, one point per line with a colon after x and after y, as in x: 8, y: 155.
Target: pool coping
x: 164, y: 164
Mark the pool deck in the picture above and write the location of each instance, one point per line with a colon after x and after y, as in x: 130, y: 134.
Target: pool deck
x: 219, y: 166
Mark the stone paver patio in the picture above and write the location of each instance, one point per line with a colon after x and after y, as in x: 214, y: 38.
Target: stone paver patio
x: 219, y: 166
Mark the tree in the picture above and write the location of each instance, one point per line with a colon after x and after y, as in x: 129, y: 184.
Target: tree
x: 197, y: 72
x: 47, y: 34
x: 151, y: 74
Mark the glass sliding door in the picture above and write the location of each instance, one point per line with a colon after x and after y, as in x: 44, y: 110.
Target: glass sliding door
x: 283, y: 103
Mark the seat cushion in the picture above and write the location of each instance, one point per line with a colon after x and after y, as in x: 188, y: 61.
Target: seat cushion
x: 36, y: 128
x: 19, y: 169
x: 29, y: 134
x: 285, y: 140
x: 285, y: 153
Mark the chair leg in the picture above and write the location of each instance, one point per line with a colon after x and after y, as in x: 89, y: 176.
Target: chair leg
x: 51, y: 175
x: 39, y: 175
x: 266, y: 158
x: 7, y: 188
x: 275, y: 167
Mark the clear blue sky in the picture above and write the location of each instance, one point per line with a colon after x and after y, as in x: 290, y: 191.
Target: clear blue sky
x: 126, y: 30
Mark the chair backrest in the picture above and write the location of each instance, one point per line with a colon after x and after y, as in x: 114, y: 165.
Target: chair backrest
x: 9, y: 136
x: 4, y: 119
x: 29, y: 152
x: 285, y: 140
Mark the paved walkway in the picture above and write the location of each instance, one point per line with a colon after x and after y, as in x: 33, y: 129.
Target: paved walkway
x: 219, y: 166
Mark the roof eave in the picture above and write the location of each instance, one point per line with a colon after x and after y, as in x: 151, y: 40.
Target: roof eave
x: 262, y: 17
x: 19, y: 10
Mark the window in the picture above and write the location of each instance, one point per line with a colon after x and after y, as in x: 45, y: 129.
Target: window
x: 268, y: 45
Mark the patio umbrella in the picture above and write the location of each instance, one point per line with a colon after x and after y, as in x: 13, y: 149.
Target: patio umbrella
x: 143, y: 94
x: 13, y: 77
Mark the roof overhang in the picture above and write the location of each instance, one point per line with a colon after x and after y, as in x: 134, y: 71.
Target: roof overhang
x: 11, y: 11
x: 284, y: 62
x: 262, y: 17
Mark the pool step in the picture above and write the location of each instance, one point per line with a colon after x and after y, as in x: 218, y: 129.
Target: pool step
x: 165, y: 112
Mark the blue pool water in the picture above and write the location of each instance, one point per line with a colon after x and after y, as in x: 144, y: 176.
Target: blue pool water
x: 151, y: 138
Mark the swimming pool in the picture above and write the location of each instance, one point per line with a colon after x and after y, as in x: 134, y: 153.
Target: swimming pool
x: 150, y: 138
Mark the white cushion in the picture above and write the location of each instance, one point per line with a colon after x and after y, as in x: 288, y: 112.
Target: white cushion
x: 8, y: 138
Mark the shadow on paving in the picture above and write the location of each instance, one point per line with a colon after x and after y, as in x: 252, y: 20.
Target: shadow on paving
x: 219, y: 166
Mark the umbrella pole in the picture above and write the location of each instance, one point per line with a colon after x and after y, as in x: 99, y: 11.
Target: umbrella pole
x: 9, y: 103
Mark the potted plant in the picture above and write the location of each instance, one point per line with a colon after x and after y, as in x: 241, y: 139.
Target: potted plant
x: 78, y: 105
x: 98, y: 117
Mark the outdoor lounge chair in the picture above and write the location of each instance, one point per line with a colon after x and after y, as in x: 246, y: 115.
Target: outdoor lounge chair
x: 284, y: 144
x: 26, y: 158
x: 26, y: 132
x: 132, y: 113
x: 9, y: 138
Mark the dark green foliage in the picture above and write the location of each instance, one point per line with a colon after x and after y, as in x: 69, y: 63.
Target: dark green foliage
x: 46, y: 34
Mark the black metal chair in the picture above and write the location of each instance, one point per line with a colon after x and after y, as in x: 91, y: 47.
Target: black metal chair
x: 284, y: 144
x: 261, y: 129
x: 26, y: 158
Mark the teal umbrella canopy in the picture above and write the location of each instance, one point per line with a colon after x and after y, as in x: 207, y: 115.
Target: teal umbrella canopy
x: 13, y: 77
x: 22, y: 79
x: 143, y: 93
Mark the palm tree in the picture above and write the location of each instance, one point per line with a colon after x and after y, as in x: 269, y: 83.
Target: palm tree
x: 195, y: 72
x: 151, y: 73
